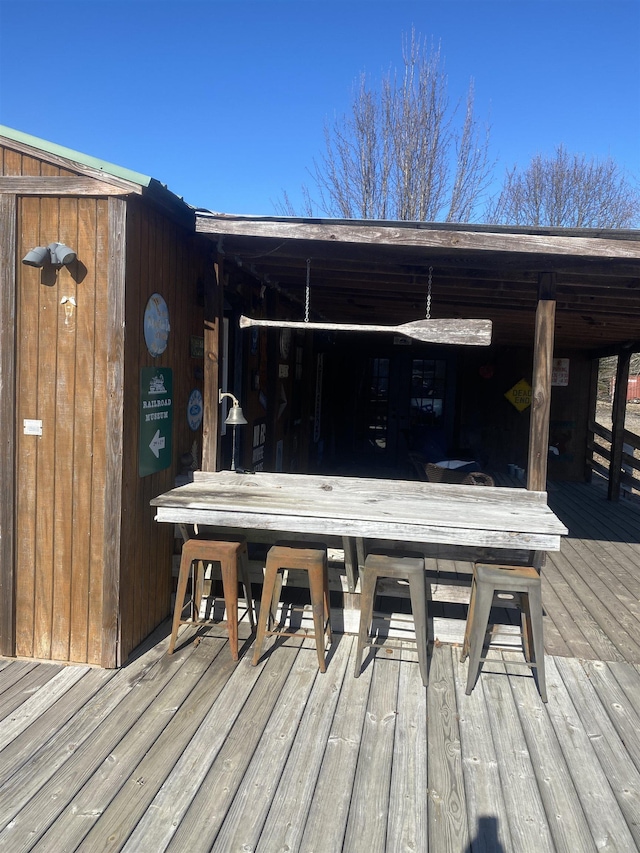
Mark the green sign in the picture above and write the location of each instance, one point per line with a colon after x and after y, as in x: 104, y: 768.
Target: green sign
x: 156, y: 419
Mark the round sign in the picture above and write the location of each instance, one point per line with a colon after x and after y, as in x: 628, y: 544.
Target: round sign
x: 156, y: 325
x: 195, y: 409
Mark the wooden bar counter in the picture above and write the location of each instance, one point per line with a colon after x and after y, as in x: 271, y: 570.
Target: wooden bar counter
x: 357, y: 507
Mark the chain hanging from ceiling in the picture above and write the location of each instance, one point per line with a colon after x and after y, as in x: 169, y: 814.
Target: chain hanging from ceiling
x: 445, y: 331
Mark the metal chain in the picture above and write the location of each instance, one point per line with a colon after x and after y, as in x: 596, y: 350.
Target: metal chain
x: 306, y: 292
x: 428, y: 300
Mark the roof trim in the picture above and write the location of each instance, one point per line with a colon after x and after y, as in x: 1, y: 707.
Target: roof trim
x: 548, y: 231
x: 449, y: 238
x: 75, y: 156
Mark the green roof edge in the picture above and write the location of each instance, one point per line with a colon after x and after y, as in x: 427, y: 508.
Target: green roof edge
x: 76, y: 156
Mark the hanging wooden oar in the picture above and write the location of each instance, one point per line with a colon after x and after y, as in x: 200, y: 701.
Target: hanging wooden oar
x: 449, y: 331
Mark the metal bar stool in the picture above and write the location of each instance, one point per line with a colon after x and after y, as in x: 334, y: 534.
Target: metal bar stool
x: 312, y: 558
x: 233, y: 559
x: 523, y: 584
x: 406, y: 566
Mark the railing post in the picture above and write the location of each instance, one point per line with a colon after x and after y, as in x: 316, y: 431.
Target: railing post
x: 593, y: 411
x: 617, y: 430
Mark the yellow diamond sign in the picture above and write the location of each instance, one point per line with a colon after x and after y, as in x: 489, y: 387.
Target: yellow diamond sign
x: 520, y: 395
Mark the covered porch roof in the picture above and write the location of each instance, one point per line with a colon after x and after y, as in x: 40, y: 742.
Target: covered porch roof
x: 374, y: 271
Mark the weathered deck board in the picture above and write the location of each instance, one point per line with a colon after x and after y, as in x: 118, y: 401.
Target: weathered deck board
x: 280, y: 756
x: 15, y: 695
x: 480, y: 768
x: 584, y: 755
x: 35, y: 702
x: 13, y: 677
x: 20, y: 745
x: 567, y: 823
x: 555, y: 617
x: 620, y: 709
x: 592, y: 620
x: 327, y: 819
x: 214, y: 764
x: 141, y: 759
x: 367, y: 823
x: 48, y: 786
x: 588, y: 716
x: 291, y: 802
x: 215, y: 772
x: 448, y: 827
x: 602, y: 534
x: 408, y: 819
x: 242, y: 825
x: 528, y: 825
x: 196, y: 753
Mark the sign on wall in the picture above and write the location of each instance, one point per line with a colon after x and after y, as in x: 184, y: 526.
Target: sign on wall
x: 560, y: 371
x: 195, y: 408
x: 156, y: 325
x: 520, y: 395
x: 156, y: 419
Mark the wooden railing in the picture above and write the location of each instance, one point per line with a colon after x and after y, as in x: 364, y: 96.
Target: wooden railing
x: 599, y: 445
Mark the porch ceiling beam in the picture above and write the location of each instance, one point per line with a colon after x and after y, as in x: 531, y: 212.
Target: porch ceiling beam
x: 588, y: 275
x: 605, y: 352
x: 422, y: 236
x: 326, y: 291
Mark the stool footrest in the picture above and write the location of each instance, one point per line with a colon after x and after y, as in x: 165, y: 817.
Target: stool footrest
x: 303, y: 632
x: 511, y: 662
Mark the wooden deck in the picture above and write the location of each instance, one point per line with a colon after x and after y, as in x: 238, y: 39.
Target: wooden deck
x: 193, y: 752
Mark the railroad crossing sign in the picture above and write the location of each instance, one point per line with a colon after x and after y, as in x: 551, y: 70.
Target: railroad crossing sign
x: 156, y: 419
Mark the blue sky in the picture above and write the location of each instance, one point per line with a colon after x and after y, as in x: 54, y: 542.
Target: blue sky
x: 225, y: 100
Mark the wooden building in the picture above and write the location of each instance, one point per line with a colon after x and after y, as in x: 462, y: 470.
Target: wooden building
x: 85, y: 573
x: 96, y: 352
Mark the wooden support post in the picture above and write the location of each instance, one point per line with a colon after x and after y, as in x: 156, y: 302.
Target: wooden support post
x: 541, y: 397
x: 617, y: 430
x: 212, y: 345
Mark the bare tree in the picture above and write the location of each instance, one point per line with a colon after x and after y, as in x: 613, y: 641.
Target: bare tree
x: 568, y: 191
x: 401, y: 153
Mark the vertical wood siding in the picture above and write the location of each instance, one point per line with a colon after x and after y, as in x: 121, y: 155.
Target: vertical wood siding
x: 60, y: 475
x: 8, y: 215
x: 161, y: 257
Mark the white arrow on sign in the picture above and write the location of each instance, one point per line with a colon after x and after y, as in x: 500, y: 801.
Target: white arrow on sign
x: 157, y: 444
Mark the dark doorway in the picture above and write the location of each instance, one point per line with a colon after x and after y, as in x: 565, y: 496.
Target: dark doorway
x: 391, y: 400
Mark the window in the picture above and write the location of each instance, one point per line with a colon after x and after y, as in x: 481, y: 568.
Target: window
x: 428, y: 382
x: 377, y: 404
